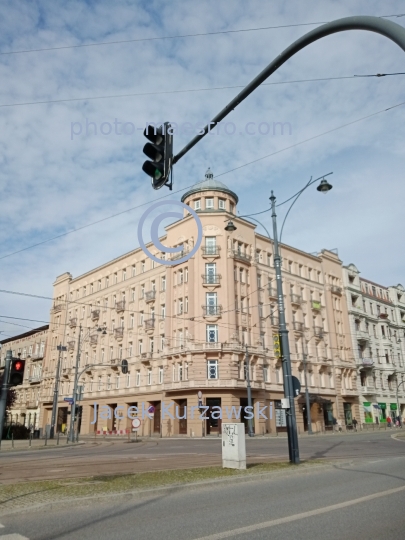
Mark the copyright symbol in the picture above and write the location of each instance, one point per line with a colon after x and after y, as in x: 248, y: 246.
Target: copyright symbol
x: 154, y: 232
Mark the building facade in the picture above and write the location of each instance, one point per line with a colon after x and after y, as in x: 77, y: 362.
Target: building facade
x: 32, y: 347
x: 377, y: 321
x: 184, y: 329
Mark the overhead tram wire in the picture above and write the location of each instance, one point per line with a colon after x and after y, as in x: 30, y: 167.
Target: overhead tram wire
x: 181, y: 36
x: 163, y: 92
x: 193, y: 185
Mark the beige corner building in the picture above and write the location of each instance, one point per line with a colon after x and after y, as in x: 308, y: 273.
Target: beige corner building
x: 183, y: 330
x: 31, y: 347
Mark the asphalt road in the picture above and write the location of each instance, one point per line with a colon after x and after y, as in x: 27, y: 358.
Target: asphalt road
x: 123, y: 457
x: 364, y: 500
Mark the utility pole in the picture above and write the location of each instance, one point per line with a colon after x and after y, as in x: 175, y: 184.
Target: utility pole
x: 4, y: 391
x: 249, y: 392
x: 309, y: 421
x: 72, y: 414
x: 285, y: 347
x: 60, y: 348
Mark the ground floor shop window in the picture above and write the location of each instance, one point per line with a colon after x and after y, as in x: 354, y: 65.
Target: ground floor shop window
x: 368, y: 413
x: 382, y: 412
x: 347, y: 407
x: 328, y: 414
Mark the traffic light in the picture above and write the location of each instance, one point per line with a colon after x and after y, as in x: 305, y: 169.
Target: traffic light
x: 277, y: 345
x: 160, y: 151
x: 124, y: 367
x: 16, y: 371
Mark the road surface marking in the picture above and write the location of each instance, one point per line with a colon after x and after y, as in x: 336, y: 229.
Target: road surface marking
x: 13, y: 536
x: 1, y: 526
x: 296, y: 517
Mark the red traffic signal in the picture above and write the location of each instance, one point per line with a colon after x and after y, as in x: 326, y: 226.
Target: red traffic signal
x: 16, y: 371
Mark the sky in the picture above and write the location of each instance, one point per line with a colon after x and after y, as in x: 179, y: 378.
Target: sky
x: 57, y: 175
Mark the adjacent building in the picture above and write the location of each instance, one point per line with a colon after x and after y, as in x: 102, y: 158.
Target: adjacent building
x: 184, y: 330
x: 32, y: 347
x: 377, y: 321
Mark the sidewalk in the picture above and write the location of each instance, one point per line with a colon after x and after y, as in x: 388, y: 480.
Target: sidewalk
x: 36, y: 444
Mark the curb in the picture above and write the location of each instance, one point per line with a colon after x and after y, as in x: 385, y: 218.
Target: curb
x: 171, y: 489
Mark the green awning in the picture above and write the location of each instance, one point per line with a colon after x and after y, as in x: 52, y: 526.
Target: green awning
x: 393, y: 406
x: 366, y: 403
x: 382, y: 405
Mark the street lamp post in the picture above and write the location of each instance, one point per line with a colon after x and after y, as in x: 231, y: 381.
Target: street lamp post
x: 76, y: 378
x: 399, y: 410
x: 60, y: 348
x: 323, y: 187
x: 249, y: 392
x: 285, y: 346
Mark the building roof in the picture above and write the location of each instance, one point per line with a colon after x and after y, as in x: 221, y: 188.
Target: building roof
x: 25, y: 334
x: 210, y: 184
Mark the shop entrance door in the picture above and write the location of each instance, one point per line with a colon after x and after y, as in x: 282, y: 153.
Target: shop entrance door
x: 213, y: 424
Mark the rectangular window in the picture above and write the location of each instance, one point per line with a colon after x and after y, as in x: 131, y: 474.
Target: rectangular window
x: 197, y: 204
x: 185, y: 275
x: 212, y: 333
x: 266, y: 373
x: 140, y: 346
x: 124, y: 274
x: 180, y: 372
x: 209, y: 203
x: 133, y: 272
x: 163, y: 310
x: 212, y: 369
x: 149, y: 376
x: 180, y: 304
x: 186, y: 304
x: 221, y: 204
x: 163, y: 283
x: 138, y: 378
x: 142, y: 267
x: 160, y: 375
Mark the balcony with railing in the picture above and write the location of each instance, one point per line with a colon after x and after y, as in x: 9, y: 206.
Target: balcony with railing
x: 212, y: 311
x: 71, y: 345
x: 150, y: 296
x: 296, y: 299
x: 336, y: 289
x: 211, y: 279
x: 120, y: 306
x: 349, y: 392
x: 180, y: 254
x: 274, y: 321
x: 211, y: 251
x: 38, y: 355
x: 35, y: 378
x: 146, y: 357
x: 362, y: 335
x: 366, y: 362
x: 298, y: 326
x: 93, y: 339
x: 150, y: 324
x: 58, y: 307
x: 318, y: 331
x: 95, y: 314
x: 73, y: 322
x: 368, y: 390
x: 119, y: 332
x: 243, y: 256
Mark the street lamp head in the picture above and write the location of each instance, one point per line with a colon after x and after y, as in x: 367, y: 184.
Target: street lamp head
x: 230, y: 227
x: 324, y: 186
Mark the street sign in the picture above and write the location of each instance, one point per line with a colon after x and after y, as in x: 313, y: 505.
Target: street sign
x: 136, y: 424
x: 68, y: 399
x: 296, y: 386
x: 151, y: 411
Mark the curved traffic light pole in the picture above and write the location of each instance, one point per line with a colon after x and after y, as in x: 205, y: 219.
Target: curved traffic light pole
x: 389, y: 29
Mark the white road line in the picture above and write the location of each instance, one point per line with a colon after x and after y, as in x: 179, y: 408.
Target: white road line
x: 1, y: 526
x: 13, y: 536
x: 296, y: 517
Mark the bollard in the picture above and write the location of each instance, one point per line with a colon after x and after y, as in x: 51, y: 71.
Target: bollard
x: 57, y: 439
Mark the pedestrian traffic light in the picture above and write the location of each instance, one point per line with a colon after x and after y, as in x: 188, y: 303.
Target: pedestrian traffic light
x: 160, y: 151
x: 124, y: 367
x: 16, y: 371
